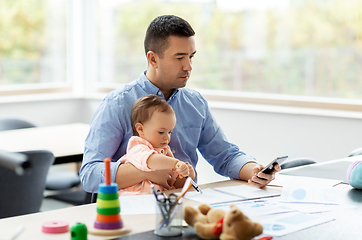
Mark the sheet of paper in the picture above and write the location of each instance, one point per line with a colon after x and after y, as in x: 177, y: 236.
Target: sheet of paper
x: 315, y: 208
x: 285, y: 223
x: 138, y: 204
x: 247, y: 192
x: 258, y: 207
x: 326, y: 195
x: 211, y: 196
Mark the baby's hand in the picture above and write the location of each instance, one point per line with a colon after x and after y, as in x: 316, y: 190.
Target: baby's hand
x: 182, y: 169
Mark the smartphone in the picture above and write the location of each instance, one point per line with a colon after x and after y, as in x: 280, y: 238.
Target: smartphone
x: 269, y: 168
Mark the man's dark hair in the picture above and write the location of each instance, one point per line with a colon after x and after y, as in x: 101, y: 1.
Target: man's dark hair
x: 161, y: 28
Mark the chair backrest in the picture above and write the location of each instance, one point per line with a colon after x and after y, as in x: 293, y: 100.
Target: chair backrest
x: 297, y: 162
x: 23, y: 194
x: 14, y: 123
x: 355, y: 152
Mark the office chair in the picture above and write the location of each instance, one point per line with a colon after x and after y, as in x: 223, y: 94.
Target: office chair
x: 355, y: 152
x: 296, y: 162
x: 73, y: 196
x: 23, y: 194
x: 55, y: 181
x: 14, y: 123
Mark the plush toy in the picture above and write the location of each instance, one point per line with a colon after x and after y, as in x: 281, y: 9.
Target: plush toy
x: 213, y: 223
x: 354, y: 174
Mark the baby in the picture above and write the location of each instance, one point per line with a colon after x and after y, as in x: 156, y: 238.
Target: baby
x: 153, y: 120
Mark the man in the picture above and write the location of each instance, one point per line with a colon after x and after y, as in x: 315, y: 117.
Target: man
x: 169, y: 47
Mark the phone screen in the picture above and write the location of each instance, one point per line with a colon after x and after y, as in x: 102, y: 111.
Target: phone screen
x: 269, y: 168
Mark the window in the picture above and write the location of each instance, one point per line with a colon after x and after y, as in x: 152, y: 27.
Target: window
x: 289, y: 47
x: 32, y: 43
x: 298, y: 48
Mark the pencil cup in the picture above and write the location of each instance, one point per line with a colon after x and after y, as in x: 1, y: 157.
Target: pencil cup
x: 169, y: 218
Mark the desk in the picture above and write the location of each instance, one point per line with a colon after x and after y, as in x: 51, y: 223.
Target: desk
x: 65, y: 141
x: 85, y: 214
x: 345, y: 226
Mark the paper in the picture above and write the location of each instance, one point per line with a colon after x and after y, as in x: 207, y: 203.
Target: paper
x: 282, y: 224
x: 211, y: 196
x: 304, y: 194
x: 247, y: 192
x: 138, y: 204
x: 259, y: 207
x: 229, y: 194
x: 315, y: 207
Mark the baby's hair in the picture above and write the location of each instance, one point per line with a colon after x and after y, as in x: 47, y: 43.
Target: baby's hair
x: 144, y: 107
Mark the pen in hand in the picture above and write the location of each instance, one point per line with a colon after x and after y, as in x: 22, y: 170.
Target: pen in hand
x: 197, y: 188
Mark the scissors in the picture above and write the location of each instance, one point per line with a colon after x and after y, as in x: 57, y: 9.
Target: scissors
x: 170, y: 200
x: 167, y: 203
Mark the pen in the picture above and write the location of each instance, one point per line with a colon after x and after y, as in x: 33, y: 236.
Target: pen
x: 19, y: 230
x: 197, y: 188
x: 174, y: 208
x: 154, y: 192
x: 185, y: 188
x: 165, y: 218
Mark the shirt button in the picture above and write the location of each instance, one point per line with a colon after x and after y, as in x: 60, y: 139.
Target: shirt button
x: 173, y: 151
x: 159, y: 93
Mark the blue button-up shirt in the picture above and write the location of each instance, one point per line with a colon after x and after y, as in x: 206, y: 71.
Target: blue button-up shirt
x: 195, y: 129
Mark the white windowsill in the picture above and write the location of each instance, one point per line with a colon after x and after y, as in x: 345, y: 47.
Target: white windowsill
x: 285, y: 110
x: 216, y: 103
x: 37, y: 97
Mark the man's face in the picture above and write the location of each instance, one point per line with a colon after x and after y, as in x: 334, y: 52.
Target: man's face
x: 157, y: 130
x: 174, y: 68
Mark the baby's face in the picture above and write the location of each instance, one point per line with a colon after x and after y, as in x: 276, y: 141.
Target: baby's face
x: 158, y: 129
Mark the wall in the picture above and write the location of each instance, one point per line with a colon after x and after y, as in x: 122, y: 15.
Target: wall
x: 266, y: 132
x: 46, y: 112
x: 260, y: 131
x: 266, y: 135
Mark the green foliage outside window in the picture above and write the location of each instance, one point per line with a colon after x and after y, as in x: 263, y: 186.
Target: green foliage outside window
x: 22, y: 40
x: 312, y: 48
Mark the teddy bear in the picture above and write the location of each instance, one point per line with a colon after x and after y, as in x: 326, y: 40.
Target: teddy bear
x: 213, y: 223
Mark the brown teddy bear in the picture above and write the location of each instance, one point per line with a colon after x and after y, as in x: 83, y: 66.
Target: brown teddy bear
x: 210, y: 223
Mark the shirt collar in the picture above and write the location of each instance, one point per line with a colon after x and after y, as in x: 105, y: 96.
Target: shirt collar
x: 146, y: 84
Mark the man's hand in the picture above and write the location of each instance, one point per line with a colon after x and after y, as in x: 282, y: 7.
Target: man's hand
x: 261, y: 179
x: 162, y: 177
x: 249, y: 171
